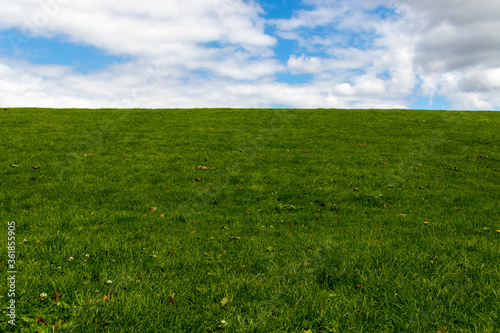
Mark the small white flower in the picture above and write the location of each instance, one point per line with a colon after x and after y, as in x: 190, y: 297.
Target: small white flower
x: 109, y: 281
x: 223, y: 322
x: 70, y: 258
x: 43, y: 295
x: 87, y: 255
x: 25, y: 240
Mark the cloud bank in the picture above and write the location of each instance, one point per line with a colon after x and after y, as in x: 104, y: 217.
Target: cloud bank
x: 224, y: 53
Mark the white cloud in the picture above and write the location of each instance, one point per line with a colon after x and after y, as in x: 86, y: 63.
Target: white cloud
x: 303, y: 64
x: 174, y: 33
x: 457, y: 49
x: 427, y: 42
x: 202, y: 53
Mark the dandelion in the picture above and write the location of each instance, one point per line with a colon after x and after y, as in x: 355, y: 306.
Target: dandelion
x: 43, y: 295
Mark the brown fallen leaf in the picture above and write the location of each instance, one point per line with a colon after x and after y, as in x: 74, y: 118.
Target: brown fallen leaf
x: 334, y: 207
x: 40, y: 320
x: 152, y: 209
x: 456, y: 169
x: 356, y: 189
x: 385, y: 205
x: 35, y: 167
x: 356, y: 287
x: 58, y: 295
x: 222, y: 227
x: 171, y: 298
x: 442, y: 330
x: 33, y: 178
x: 197, y: 180
x: 241, y: 188
x: 323, y: 204
x: 310, y: 248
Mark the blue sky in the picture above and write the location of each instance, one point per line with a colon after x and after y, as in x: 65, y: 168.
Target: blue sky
x: 236, y: 53
x: 83, y: 58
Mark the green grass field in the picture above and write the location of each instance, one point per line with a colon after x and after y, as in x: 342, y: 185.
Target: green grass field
x: 220, y: 220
